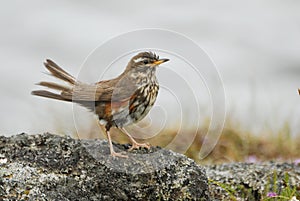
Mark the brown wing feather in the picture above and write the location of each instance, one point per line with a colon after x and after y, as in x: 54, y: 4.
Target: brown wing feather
x: 116, y: 90
x: 112, y: 90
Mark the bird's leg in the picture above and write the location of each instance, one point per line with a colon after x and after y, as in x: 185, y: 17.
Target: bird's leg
x: 135, y: 144
x: 112, y: 151
x: 111, y: 148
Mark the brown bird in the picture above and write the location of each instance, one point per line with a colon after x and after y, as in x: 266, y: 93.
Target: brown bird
x: 118, y: 102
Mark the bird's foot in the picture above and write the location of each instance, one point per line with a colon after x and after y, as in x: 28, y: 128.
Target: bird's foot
x: 138, y: 145
x: 117, y: 154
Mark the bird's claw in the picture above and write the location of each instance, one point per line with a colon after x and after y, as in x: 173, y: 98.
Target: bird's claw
x: 117, y: 154
x: 138, y: 145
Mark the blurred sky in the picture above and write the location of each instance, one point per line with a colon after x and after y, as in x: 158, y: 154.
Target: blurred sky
x: 254, y: 44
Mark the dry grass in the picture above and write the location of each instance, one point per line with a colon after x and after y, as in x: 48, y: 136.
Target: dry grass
x: 234, y: 144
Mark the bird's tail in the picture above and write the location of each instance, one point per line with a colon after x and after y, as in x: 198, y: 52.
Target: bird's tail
x: 61, y: 74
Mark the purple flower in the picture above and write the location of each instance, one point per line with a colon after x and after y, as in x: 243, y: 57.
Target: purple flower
x: 297, y: 161
x: 251, y: 159
x: 271, y: 194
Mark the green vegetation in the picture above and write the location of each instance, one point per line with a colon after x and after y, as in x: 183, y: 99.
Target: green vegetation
x: 275, y: 190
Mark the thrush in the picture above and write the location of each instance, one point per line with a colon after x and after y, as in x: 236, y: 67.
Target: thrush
x: 117, y: 102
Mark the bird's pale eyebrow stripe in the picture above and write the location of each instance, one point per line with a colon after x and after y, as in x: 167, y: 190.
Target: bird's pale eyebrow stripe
x: 139, y: 59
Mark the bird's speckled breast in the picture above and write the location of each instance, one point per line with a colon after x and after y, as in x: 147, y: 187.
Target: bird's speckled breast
x: 138, y: 105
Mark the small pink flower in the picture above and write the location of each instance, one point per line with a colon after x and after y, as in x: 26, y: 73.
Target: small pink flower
x: 251, y: 159
x: 271, y: 194
x: 297, y: 161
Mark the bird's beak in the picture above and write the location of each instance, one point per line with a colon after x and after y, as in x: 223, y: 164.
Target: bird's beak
x: 160, y: 61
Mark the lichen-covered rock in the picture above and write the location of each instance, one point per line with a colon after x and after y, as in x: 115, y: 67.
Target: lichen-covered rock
x: 251, y: 181
x: 50, y: 167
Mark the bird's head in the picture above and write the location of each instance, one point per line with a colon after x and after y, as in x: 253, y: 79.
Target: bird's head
x: 145, y: 60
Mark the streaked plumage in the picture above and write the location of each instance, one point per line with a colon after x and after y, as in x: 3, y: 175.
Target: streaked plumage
x: 117, y: 102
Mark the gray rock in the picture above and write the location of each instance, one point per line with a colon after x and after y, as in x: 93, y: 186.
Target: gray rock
x: 251, y: 181
x: 50, y: 167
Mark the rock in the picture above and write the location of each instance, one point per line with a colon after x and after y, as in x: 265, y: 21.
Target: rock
x: 50, y: 167
x: 251, y: 181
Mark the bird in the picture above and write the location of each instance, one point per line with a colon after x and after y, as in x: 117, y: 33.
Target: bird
x: 117, y: 102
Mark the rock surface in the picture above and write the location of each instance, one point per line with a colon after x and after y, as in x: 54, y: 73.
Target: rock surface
x: 50, y: 167
x: 251, y: 181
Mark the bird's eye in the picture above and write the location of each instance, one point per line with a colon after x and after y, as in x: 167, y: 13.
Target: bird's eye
x: 146, y: 61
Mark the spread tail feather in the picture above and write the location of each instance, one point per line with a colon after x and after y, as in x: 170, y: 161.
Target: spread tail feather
x: 58, y: 72
x: 55, y: 86
x: 65, y: 93
x: 48, y: 94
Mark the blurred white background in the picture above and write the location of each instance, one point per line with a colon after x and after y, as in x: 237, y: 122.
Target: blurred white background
x: 254, y: 44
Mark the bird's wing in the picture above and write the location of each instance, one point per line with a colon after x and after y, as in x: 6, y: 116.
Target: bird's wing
x: 105, y: 91
x: 116, y: 90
